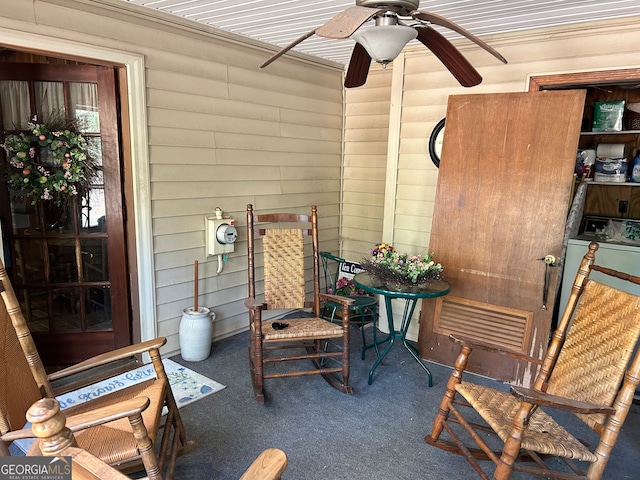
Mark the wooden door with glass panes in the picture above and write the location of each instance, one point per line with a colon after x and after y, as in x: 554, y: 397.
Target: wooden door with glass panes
x: 67, y: 262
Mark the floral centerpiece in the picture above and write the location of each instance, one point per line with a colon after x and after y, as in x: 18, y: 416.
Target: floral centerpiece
x: 393, y: 267
x: 48, y: 162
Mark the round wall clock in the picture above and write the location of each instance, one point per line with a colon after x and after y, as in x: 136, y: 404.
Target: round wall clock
x: 435, y: 142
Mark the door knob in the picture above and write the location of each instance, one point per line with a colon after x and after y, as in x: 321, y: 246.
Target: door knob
x: 549, y: 261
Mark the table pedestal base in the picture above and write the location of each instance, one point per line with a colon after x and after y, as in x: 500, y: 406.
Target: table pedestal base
x: 409, y: 307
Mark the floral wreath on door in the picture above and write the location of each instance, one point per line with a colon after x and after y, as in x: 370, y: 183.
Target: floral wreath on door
x: 50, y: 161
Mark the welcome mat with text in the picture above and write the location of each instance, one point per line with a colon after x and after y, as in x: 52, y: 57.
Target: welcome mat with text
x: 187, y: 385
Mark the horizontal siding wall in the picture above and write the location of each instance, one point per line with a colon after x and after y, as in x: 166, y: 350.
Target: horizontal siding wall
x: 221, y: 133
x: 426, y: 88
x: 365, y: 163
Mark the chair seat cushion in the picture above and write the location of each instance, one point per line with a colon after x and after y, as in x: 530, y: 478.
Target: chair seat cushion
x: 301, y: 328
x: 543, y: 434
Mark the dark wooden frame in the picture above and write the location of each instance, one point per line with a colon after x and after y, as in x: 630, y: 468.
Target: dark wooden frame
x: 70, y: 346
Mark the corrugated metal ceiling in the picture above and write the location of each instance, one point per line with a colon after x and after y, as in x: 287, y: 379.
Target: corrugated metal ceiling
x: 280, y: 22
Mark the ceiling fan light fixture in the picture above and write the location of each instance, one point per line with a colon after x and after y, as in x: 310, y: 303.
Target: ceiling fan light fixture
x: 384, y: 42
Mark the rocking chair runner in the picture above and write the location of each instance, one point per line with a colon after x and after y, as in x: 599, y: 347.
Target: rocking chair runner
x: 304, y: 338
x: 23, y: 380
x: 583, y: 372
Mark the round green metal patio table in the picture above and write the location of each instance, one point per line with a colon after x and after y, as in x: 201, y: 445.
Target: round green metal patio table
x: 410, y: 294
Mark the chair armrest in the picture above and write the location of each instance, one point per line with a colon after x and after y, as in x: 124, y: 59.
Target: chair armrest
x: 268, y: 466
x: 109, y: 357
x: 331, y: 256
x: 81, y: 421
x: 106, y: 414
x: 345, y: 301
x: 473, y: 343
x: 543, y: 399
x: 254, y: 304
x: 17, y: 435
x: 88, y: 467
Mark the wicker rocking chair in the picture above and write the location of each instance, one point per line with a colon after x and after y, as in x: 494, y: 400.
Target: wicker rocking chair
x: 590, y: 369
x: 128, y: 445
x: 307, y: 337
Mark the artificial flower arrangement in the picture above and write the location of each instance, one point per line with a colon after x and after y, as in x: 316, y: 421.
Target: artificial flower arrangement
x: 345, y: 287
x: 389, y: 265
x: 49, y: 163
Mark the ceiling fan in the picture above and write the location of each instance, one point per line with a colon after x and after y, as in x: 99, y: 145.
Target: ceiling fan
x: 396, y: 23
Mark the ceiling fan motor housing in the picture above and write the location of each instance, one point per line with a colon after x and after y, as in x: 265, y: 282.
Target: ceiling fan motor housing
x: 401, y: 7
x: 397, y: 22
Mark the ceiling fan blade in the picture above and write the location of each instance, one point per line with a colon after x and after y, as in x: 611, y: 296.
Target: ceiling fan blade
x: 287, y: 48
x: 450, y: 57
x: 443, y: 22
x: 346, y: 22
x: 358, y: 67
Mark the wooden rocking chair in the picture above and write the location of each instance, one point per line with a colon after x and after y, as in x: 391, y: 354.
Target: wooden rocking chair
x: 23, y: 381
x: 308, y: 337
x: 590, y: 369
x: 55, y: 438
x: 51, y: 427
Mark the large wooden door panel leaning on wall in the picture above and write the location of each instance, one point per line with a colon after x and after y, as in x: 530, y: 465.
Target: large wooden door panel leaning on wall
x: 501, y: 203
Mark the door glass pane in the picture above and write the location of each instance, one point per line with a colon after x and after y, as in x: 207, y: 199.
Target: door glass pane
x: 95, y: 153
x: 35, y: 308
x: 93, y: 212
x: 50, y: 102
x: 58, y: 218
x: 95, y: 267
x: 14, y: 97
x: 84, y: 99
x: 29, y: 261
x: 23, y: 215
x: 98, y: 304
x: 66, y: 309
x: 62, y: 258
